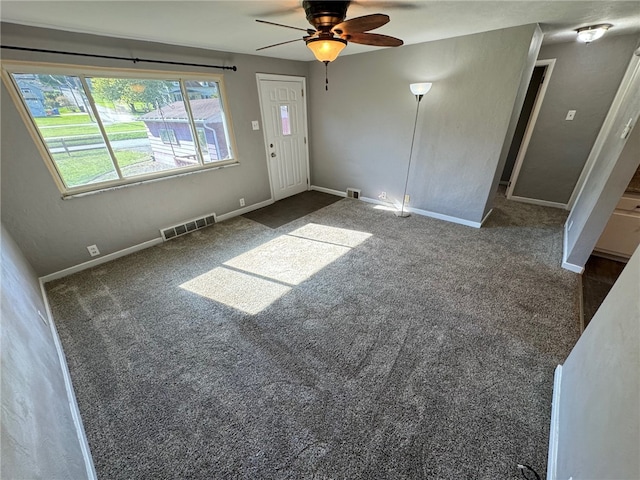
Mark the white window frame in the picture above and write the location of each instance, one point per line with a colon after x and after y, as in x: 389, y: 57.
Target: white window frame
x: 11, y: 67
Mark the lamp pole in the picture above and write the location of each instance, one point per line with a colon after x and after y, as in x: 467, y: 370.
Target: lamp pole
x: 418, y: 89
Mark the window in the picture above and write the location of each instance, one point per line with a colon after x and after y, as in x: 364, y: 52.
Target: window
x: 107, y: 129
x: 168, y: 136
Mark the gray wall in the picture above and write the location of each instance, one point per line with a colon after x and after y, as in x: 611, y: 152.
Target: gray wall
x: 360, y: 130
x: 39, y: 438
x: 599, y: 418
x: 54, y: 233
x: 585, y: 78
x: 612, y: 170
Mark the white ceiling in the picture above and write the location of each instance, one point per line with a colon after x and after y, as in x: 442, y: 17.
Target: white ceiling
x: 230, y: 25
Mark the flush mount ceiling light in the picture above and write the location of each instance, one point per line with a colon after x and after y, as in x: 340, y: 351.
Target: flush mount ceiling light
x: 592, y: 32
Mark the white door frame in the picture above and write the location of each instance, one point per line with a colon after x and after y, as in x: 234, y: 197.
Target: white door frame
x: 284, y: 78
x: 530, y: 125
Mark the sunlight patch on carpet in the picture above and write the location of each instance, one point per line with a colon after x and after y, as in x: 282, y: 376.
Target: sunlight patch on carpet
x: 255, y: 279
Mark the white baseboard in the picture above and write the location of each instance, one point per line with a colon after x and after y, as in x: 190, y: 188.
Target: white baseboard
x: 71, y: 396
x: 566, y: 265
x: 141, y: 246
x: 376, y: 201
x: 535, y: 201
x: 417, y: 211
x: 486, y: 216
x: 242, y: 211
x: 448, y: 218
x: 100, y: 260
x: 572, y: 268
x: 554, y: 430
x: 329, y: 191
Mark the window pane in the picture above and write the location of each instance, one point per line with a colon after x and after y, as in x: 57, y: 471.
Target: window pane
x: 208, y: 115
x: 284, y: 120
x: 146, y: 123
x: 62, y: 115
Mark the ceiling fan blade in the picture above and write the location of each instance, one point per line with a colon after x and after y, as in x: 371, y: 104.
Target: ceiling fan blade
x: 361, y: 24
x: 308, y: 30
x: 374, y: 39
x: 281, y: 43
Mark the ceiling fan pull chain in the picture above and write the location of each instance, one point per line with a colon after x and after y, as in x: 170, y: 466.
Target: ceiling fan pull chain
x: 326, y: 76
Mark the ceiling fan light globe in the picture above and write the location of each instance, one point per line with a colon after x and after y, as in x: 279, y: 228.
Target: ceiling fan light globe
x: 420, y: 88
x: 326, y: 49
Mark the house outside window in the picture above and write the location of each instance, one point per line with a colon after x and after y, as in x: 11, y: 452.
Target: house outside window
x: 104, y: 128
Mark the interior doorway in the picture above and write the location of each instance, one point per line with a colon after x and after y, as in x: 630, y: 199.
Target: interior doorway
x: 526, y: 123
x: 284, y: 118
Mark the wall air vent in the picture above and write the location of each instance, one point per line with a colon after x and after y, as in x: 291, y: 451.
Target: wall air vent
x: 353, y: 193
x: 188, y: 226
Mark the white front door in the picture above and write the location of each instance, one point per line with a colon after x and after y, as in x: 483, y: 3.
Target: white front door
x: 285, y: 125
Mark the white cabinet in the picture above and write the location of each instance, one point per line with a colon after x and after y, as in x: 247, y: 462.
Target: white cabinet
x: 621, y: 236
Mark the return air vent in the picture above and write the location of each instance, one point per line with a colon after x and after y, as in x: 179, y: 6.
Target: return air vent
x: 188, y: 226
x: 353, y: 193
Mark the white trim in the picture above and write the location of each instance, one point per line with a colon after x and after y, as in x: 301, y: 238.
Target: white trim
x: 417, y: 211
x: 71, y: 397
x: 328, y: 190
x: 99, y: 261
x: 242, y: 211
x: 632, y: 70
x: 566, y: 265
x: 375, y: 201
x: 141, y: 246
x: 572, y: 268
x: 554, y: 430
x: 486, y: 216
x: 550, y: 63
x: 303, y: 84
x: 448, y: 218
x: 535, y: 201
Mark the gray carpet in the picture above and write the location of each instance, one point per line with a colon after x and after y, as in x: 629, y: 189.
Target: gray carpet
x: 349, y: 343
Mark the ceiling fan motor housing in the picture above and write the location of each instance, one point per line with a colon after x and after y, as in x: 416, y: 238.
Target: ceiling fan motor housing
x: 324, y: 15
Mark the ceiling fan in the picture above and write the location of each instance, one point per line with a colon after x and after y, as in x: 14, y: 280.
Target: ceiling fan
x: 332, y: 32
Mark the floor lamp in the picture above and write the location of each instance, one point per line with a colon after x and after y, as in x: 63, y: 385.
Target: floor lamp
x: 419, y: 90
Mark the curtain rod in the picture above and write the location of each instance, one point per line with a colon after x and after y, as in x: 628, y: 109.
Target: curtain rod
x: 111, y: 57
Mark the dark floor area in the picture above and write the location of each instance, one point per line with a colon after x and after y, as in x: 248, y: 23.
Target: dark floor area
x: 599, y: 276
x: 291, y: 208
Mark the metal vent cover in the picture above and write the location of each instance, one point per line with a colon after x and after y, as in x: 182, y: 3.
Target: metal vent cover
x: 353, y: 193
x: 187, y: 226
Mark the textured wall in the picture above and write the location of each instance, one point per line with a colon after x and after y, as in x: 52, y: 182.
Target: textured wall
x: 585, y: 78
x: 609, y: 177
x: 599, y: 419
x: 361, y: 128
x: 39, y: 439
x: 54, y: 233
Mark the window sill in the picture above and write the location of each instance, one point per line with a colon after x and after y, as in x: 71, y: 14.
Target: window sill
x: 69, y: 196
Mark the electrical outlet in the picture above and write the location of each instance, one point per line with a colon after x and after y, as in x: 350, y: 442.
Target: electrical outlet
x: 383, y: 196
x: 407, y: 197
x: 255, y: 125
x: 570, y: 115
x: 242, y: 202
x: 93, y: 250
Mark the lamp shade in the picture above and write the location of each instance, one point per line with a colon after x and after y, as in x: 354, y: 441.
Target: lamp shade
x: 420, y: 88
x: 326, y: 49
x: 594, y: 32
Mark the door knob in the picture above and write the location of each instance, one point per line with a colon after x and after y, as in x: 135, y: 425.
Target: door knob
x: 273, y: 154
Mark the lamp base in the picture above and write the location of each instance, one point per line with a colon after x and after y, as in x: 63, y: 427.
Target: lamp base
x: 400, y: 213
